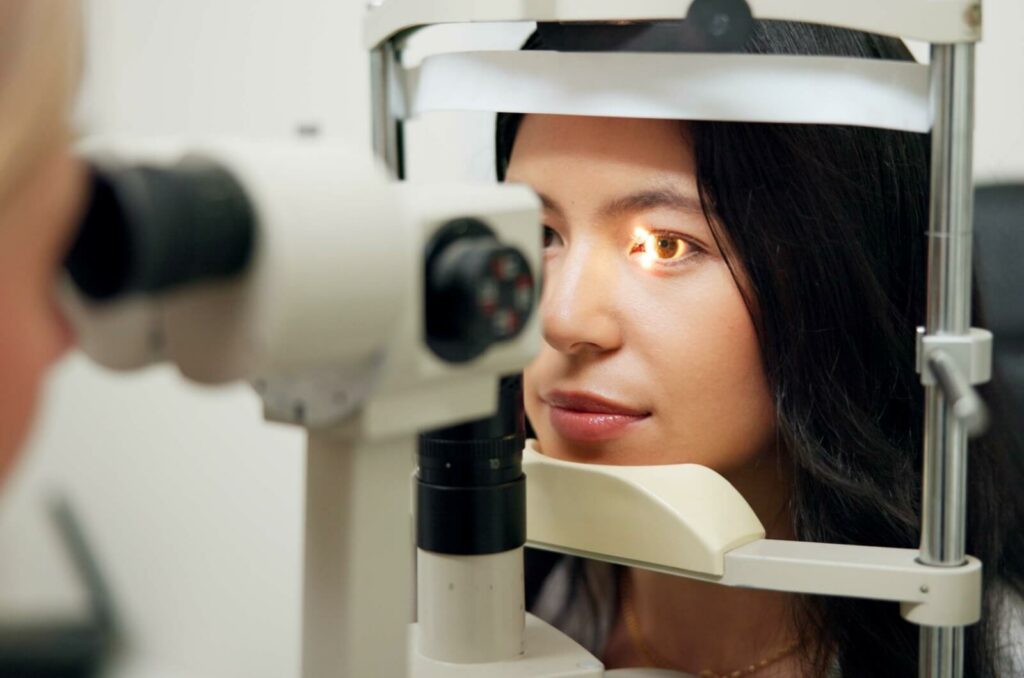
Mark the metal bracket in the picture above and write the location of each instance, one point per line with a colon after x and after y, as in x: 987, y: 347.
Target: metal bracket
x: 928, y: 596
x: 955, y: 362
x: 971, y: 353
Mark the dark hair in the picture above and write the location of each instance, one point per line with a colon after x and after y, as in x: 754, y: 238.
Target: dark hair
x: 827, y: 224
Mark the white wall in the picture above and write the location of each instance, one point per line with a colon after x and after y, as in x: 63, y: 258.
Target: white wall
x: 194, y: 504
x: 999, y: 114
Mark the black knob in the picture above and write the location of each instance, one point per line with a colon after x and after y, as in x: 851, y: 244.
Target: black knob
x: 149, y: 229
x: 470, y: 489
x: 720, y: 25
x: 478, y: 291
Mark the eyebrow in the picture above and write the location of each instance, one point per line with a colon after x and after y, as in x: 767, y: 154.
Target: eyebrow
x: 638, y: 202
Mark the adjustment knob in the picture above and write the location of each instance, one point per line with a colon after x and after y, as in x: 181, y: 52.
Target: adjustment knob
x: 719, y: 25
x: 478, y: 291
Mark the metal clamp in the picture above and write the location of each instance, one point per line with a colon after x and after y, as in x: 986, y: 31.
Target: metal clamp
x: 971, y: 354
x: 955, y: 362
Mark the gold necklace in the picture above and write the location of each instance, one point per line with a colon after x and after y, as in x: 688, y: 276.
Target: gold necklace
x: 652, y: 657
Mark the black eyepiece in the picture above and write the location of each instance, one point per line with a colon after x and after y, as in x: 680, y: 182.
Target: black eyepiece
x: 150, y: 229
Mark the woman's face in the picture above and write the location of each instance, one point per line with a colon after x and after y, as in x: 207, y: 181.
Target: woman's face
x: 650, y: 355
x: 35, y: 226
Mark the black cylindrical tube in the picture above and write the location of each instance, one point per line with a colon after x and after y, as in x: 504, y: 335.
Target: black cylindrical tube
x: 149, y: 229
x: 471, y: 491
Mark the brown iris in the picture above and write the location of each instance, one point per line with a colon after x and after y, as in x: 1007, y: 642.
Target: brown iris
x: 668, y: 247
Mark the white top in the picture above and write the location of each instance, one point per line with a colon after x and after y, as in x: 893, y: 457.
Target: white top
x: 590, y: 627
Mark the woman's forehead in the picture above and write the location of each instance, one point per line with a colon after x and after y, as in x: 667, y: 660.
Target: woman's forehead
x: 565, y: 158
x: 659, y: 145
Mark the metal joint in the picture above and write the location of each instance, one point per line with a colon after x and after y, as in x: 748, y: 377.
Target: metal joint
x: 971, y: 354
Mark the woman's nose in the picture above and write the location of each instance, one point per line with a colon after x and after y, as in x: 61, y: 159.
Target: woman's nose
x: 577, y: 305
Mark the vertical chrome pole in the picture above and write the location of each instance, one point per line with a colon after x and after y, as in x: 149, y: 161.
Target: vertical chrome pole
x: 944, y: 504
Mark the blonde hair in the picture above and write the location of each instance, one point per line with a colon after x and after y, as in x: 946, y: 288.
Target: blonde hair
x: 39, y: 56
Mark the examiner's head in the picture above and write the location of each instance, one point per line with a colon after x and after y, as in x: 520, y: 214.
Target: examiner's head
x: 40, y: 187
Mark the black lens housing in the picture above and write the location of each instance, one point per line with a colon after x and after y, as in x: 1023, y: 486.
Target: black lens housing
x: 470, y: 489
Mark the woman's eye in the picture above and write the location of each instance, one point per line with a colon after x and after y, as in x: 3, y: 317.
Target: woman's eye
x: 669, y: 247
x: 660, y: 248
x: 551, y: 237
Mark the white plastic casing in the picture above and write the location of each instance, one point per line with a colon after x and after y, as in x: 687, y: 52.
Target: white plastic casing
x: 316, y: 293
x: 549, y: 654
x: 470, y: 609
x: 328, y: 319
x: 414, y: 389
x: 681, y: 516
x: 688, y: 521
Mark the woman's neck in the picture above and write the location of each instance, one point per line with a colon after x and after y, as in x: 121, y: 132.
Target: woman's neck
x: 694, y: 625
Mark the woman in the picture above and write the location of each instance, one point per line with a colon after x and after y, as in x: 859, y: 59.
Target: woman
x: 40, y: 189
x: 743, y: 296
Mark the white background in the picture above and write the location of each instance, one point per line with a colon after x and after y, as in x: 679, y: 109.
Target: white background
x: 193, y: 504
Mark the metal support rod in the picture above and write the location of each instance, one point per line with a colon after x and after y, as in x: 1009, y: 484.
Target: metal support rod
x: 387, y: 126
x: 949, y: 312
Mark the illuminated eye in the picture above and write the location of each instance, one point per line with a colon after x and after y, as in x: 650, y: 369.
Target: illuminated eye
x: 668, y: 247
x: 664, y: 248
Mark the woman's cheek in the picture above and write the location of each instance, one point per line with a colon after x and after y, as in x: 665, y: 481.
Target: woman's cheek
x: 531, y: 388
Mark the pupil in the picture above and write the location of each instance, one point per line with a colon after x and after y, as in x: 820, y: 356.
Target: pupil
x: 667, y: 247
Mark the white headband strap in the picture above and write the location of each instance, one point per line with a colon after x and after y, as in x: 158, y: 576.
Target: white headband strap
x: 727, y: 87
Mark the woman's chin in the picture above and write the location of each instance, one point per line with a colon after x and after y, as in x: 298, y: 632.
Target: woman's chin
x: 599, y: 452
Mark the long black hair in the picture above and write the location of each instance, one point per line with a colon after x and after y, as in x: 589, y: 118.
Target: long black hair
x: 827, y: 225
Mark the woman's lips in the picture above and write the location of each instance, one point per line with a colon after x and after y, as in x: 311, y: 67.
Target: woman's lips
x: 588, y: 418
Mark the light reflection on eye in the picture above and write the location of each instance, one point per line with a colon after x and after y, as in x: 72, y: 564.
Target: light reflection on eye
x: 662, y: 248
